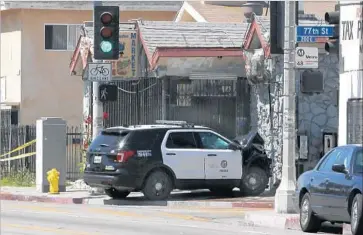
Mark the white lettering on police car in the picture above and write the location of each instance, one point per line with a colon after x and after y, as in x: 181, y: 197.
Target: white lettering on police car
x: 144, y: 153
x: 109, y: 168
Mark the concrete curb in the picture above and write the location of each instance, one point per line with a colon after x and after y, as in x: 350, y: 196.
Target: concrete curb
x: 289, y: 222
x: 102, y: 201
x: 347, y: 229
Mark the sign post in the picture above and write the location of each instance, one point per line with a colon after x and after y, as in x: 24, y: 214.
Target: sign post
x: 306, y: 58
x: 313, y: 34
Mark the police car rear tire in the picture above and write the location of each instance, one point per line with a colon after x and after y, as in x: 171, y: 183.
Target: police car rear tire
x: 158, y: 186
x: 116, y: 194
x: 254, y: 181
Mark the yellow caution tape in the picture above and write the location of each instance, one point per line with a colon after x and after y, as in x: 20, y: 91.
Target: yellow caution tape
x: 18, y: 157
x: 19, y: 148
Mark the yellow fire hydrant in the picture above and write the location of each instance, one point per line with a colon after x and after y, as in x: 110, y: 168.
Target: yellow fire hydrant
x: 53, y: 179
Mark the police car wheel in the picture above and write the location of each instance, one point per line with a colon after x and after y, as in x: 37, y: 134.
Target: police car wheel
x: 254, y: 181
x: 116, y: 194
x: 158, y: 186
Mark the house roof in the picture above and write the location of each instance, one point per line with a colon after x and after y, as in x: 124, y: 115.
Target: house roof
x: 215, y: 13
x: 88, y: 5
x: 163, y: 34
x: 178, y: 39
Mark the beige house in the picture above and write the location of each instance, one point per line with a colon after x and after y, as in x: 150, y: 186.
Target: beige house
x: 37, y: 43
x: 38, y: 40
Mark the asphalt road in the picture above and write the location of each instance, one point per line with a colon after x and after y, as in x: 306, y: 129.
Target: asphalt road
x: 42, y: 218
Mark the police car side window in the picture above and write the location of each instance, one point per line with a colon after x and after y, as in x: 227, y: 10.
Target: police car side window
x: 212, y: 141
x: 181, y: 140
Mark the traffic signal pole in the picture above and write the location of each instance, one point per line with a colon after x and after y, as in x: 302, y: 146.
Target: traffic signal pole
x: 97, y: 107
x: 284, y: 202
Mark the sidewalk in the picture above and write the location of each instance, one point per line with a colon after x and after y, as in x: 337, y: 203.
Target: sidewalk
x: 270, y: 219
x: 178, y: 199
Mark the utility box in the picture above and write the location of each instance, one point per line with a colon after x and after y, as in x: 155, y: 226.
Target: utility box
x: 329, y: 141
x: 51, y: 149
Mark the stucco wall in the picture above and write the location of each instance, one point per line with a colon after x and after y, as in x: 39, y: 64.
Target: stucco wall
x: 319, y: 112
x: 316, y: 112
x: 47, y: 88
x: 10, y: 55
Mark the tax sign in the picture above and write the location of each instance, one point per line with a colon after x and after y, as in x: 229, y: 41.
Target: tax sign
x: 99, y: 72
x: 307, y: 58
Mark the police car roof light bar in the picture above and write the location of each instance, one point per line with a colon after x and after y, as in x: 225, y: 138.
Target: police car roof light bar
x: 170, y: 122
x: 176, y: 123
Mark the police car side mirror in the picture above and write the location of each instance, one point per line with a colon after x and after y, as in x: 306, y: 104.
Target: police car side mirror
x: 233, y: 147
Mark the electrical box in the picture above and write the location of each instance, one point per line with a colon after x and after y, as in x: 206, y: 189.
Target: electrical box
x: 329, y: 141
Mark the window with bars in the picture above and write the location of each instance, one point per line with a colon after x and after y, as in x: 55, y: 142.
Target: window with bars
x: 61, y: 37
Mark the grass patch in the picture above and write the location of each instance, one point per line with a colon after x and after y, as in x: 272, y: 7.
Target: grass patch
x: 18, y: 179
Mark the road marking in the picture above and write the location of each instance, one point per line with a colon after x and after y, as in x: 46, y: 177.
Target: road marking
x: 47, y: 229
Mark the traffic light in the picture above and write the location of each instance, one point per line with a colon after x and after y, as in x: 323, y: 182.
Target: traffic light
x: 106, y: 32
x: 333, y: 18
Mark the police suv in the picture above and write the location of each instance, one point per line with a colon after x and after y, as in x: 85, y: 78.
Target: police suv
x: 156, y: 159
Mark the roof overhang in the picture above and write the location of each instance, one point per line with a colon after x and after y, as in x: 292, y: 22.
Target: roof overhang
x: 221, y: 67
x: 192, y: 53
x: 254, y: 36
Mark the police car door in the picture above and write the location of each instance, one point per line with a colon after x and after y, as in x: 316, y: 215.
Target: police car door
x: 220, y: 161
x: 180, y: 153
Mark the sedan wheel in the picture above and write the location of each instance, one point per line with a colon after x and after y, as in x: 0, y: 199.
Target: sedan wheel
x: 308, y: 221
x: 356, y: 220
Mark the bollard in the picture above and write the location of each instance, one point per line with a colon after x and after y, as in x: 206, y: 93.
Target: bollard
x: 53, y: 179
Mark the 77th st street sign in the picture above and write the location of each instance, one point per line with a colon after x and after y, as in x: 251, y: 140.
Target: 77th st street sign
x: 99, y: 72
x: 306, y: 58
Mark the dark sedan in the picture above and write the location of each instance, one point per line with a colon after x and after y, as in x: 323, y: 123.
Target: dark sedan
x: 332, y: 191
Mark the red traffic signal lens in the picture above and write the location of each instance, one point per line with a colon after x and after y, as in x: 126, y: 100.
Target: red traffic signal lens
x: 106, y: 32
x: 106, y: 18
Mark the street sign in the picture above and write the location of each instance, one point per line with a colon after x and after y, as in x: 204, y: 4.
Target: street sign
x: 100, y: 72
x: 107, y: 92
x: 314, y: 33
x: 306, y: 58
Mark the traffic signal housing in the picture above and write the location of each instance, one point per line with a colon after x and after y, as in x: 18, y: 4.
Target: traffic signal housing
x: 333, y: 18
x: 106, y: 32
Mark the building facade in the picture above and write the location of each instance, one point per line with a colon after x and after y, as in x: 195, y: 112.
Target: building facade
x: 37, y: 43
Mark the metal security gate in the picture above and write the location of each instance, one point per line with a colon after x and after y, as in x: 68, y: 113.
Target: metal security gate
x: 355, y: 121
x: 139, y: 102
x: 204, y: 102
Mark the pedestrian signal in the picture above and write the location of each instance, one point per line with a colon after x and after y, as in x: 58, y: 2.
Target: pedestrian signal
x: 107, y: 92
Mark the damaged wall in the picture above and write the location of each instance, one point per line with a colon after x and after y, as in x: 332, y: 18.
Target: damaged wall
x: 267, y: 97
x: 316, y: 112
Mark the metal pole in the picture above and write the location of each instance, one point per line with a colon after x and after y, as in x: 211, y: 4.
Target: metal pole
x: 1, y: 126
x: 97, y: 109
x: 285, y: 193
